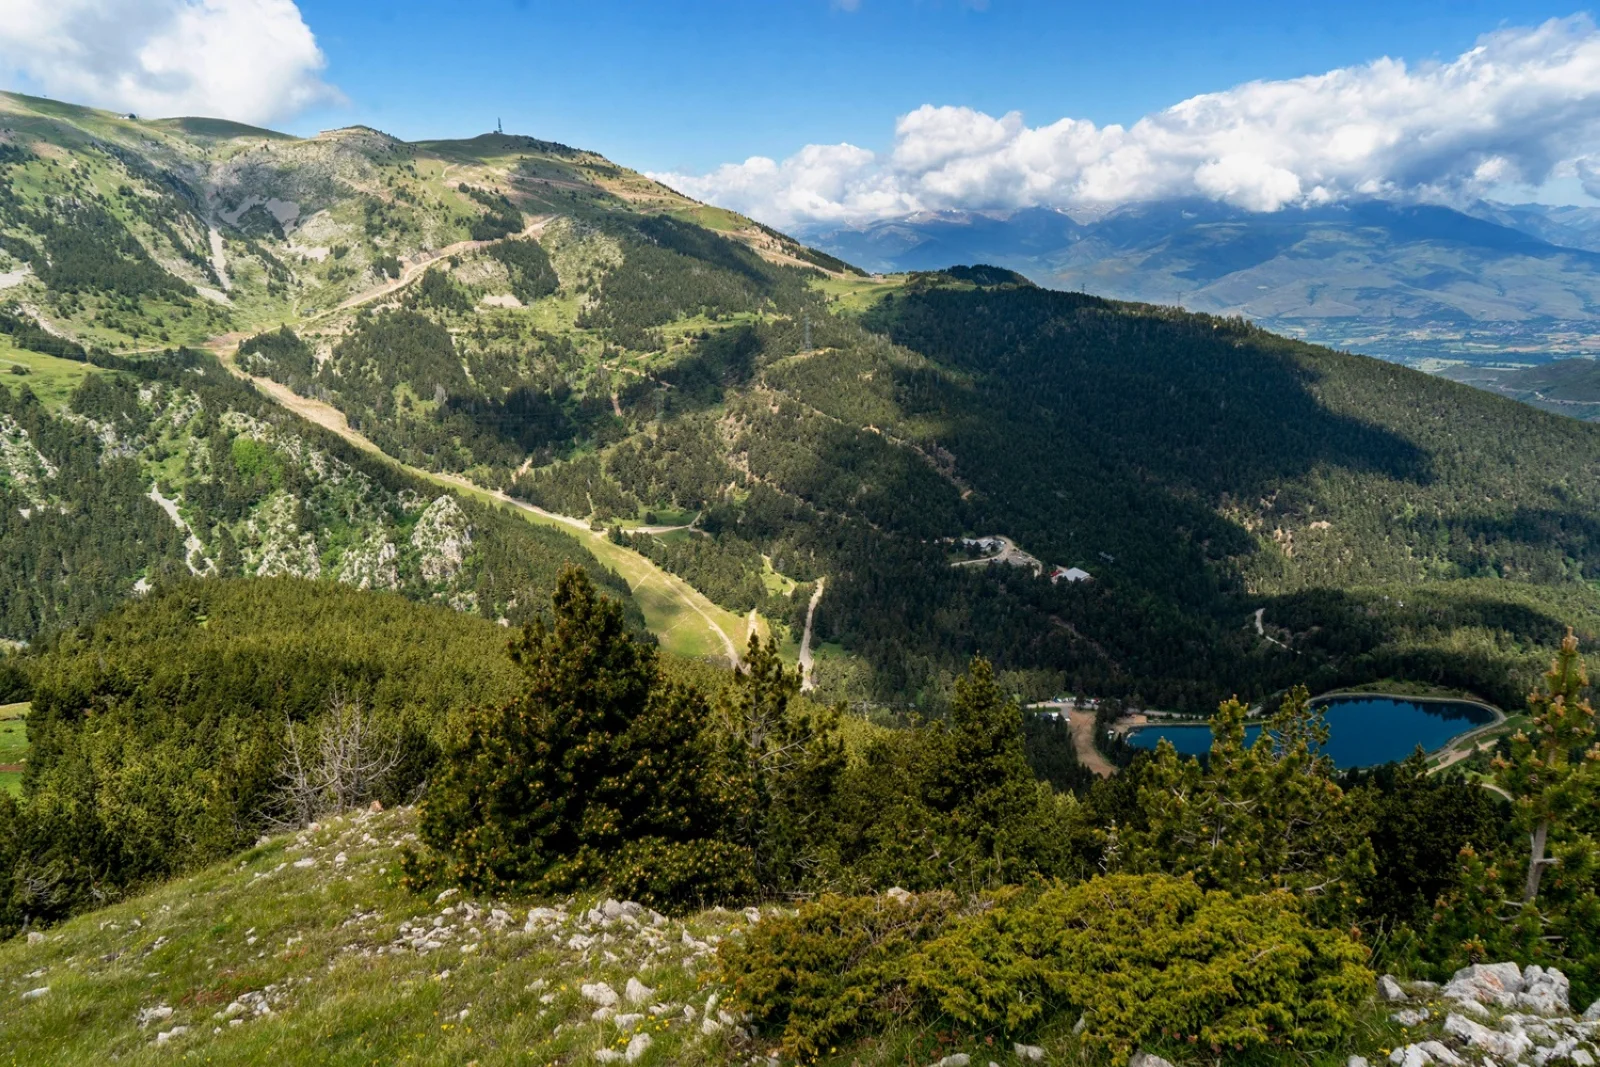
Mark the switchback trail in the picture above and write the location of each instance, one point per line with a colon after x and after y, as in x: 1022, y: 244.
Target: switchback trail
x: 684, y: 620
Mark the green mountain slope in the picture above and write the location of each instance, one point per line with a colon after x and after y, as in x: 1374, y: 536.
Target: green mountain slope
x: 530, y: 319
x: 171, y: 467
x: 1565, y: 386
x: 1575, y: 380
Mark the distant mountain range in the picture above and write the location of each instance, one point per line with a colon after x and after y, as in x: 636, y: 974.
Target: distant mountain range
x: 1407, y: 282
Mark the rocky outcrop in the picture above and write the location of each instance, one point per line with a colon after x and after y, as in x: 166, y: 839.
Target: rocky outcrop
x: 1496, y: 1013
x: 442, y: 538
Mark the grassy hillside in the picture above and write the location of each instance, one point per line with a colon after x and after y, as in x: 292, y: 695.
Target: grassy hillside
x: 304, y: 933
x: 304, y: 950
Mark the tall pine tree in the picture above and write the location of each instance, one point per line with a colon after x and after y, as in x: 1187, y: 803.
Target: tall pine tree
x: 596, y: 775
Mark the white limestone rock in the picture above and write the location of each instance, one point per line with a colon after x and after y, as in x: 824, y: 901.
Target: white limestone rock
x: 1544, y: 991
x: 1146, y: 1059
x: 1500, y: 1045
x: 1494, y: 983
x: 600, y: 994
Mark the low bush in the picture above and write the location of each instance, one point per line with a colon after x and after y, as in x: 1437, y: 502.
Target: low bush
x: 835, y: 970
x: 1139, y: 959
x: 1142, y: 958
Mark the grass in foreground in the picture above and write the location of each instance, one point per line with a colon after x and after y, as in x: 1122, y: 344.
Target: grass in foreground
x: 306, y: 950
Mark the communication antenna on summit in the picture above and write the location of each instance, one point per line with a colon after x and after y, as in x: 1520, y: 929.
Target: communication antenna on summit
x: 497, y: 127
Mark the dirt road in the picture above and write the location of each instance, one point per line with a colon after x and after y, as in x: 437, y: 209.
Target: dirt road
x: 663, y: 597
x: 807, y: 682
x: 1081, y: 723
x: 413, y: 269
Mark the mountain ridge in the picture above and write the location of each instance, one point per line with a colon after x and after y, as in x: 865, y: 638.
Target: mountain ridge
x: 1396, y: 280
x: 704, y: 397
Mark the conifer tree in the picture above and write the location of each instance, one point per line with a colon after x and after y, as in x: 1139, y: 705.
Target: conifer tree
x: 1255, y: 817
x: 781, y: 766
x: 976, y: 772
x: 1554, y: 773
x: 1541, y: 905
x: 597, y: 775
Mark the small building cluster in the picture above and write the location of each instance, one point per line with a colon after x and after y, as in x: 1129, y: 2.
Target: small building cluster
x: 1004, y: 550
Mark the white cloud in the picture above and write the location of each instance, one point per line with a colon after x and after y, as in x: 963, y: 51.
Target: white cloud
x: 249, y: 60
x: 1518, y: 106
x: 1588, y: 171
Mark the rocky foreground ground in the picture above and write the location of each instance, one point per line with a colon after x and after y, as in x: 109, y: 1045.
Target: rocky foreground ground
x: 306, y: 950
x: 1491, y: 1015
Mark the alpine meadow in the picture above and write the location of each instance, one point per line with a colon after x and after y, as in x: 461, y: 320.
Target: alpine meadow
x: 467, y: 602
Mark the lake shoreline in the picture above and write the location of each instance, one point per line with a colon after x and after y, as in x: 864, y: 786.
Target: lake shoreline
x: 1497, y: 718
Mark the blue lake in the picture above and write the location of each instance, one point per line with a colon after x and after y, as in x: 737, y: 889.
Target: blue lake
x: 1362, y: 730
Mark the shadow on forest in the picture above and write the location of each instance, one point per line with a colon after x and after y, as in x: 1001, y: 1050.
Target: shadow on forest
x: 1355, y: 638
x: 723, y: 362
x: 1094, y: 432
x: 533, y: 420
x: 1576, y: 533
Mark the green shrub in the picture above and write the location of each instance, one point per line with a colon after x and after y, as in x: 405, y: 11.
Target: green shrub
x: 1141, y: 959
x: 955, y: 804
x: 1144, y: 958
x: 834, y: 970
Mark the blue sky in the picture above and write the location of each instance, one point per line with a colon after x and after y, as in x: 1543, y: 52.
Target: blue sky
x: 843, y: 111
x: 686, y: 86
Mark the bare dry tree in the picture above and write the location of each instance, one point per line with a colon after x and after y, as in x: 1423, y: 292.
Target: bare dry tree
x: 339, y: 768
x: 39, y: 888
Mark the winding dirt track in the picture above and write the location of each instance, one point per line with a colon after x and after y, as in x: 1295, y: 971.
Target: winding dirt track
x: 411, y: 270
x: 643, y: 571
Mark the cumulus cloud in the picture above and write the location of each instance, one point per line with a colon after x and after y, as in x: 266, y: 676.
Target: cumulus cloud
x: 1518, y: 105
x: 1588, y: 170
x: 249, y: 60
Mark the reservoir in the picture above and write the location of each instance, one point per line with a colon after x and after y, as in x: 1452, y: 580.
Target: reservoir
x: 1363, y: 730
